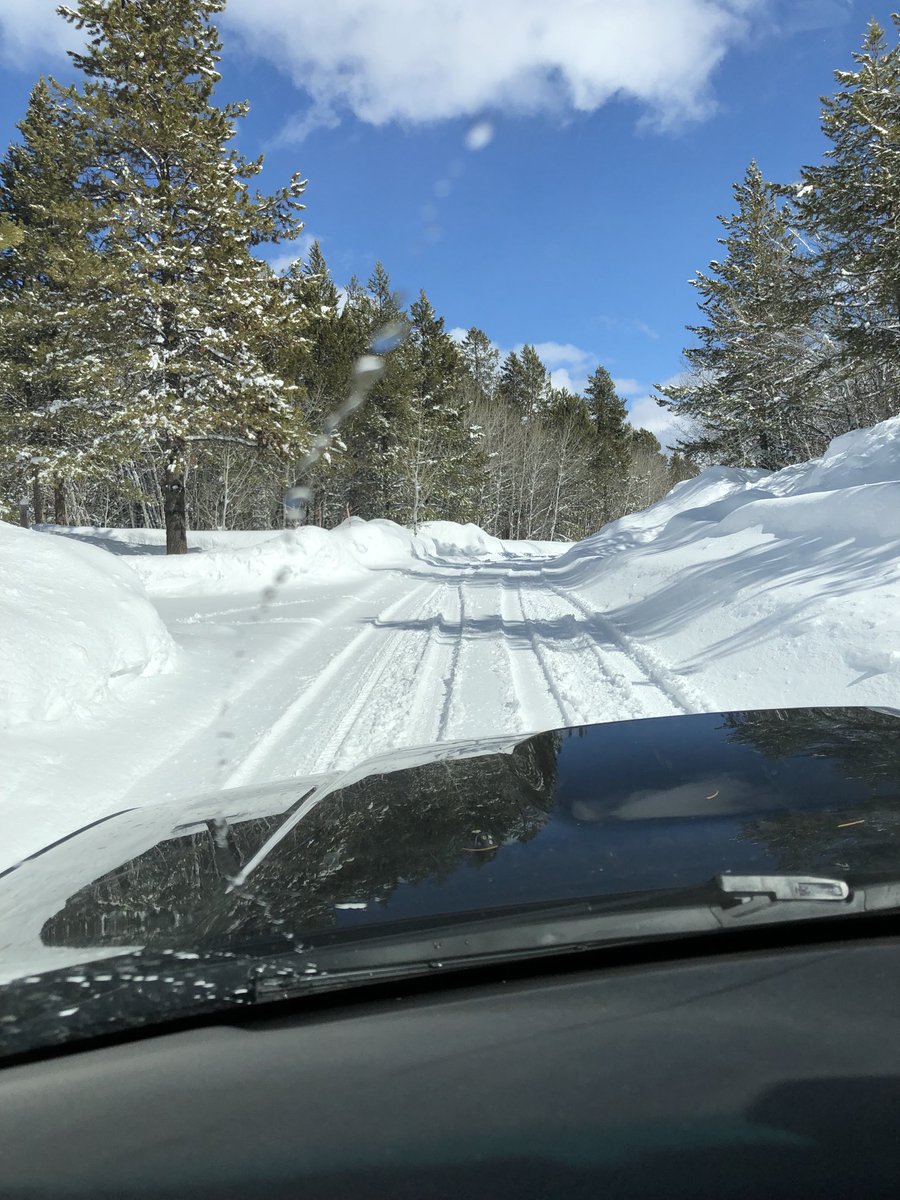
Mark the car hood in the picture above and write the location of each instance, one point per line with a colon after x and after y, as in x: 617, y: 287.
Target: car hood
x: 464, y: 829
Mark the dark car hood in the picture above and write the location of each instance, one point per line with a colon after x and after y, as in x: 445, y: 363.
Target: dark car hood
x: 463, y: 829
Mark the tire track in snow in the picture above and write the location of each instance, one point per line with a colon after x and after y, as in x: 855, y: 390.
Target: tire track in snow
x: 647, y: 668
x: 452, y: 680
x: 522, y: 668
x: 589, y: 677
x: 308, y: 721
x: 404, y: 689
x: 242, y: 688
x: 482, y: 694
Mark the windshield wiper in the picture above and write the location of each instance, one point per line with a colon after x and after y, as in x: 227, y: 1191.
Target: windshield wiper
x: 784, y: 887
x: 727, y: 902
x: 113, y: 995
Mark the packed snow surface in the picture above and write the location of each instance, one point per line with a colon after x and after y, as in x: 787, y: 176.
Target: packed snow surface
x: 263, y: 656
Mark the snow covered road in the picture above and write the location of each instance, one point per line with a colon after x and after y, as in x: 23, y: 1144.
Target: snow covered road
x: 258, y: 658
x: 414, y: 657
x: 316, y: 677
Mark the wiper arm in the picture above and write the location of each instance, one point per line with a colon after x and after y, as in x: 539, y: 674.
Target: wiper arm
x: 727, y: 902
x: 116, y: 994
x: 783, y: 887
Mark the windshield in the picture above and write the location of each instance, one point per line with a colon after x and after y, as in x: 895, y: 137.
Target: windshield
x: 450, y: 463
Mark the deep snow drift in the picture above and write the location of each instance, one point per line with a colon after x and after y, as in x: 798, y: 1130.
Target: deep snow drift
x: 765, y: 589
x: 301, y: 656
x: 74, y: 625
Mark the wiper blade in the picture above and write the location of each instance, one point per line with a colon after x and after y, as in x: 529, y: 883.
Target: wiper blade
x: 784, y: 887
x: 114, y: 995
x: 727, y: 902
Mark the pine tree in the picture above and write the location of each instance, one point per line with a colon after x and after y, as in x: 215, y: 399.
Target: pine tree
x: 647, y: 471
x: 680, y: 469
x: 10, y: 233
x: 524, y: 381
x: 851, y: 202
x: 378, y: 434
x: 487, y: 416
x: 481, y: 365
x: 612, y: 445
x: 750, y: 396
x: 322, y: 367
x: 172, y: 340
x: 441, y: 458
x: 45, y: 264
x: 524, y: 392
x: 324, y: 361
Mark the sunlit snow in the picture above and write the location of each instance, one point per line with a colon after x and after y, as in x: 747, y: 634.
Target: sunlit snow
x: 262, y: 656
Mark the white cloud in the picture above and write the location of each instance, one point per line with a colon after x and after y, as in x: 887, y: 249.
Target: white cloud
x: 30, y: 30
x: 645, y: 413
x: 294, y: 251
x: 629, y: 387
x: 559, y: 354
x: 569, y: 365
x: 417, y: 61
x: 646, y: 330
x: 561, y: 378
x: 480, y: 135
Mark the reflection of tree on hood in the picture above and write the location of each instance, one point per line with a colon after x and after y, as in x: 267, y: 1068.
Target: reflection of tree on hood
x: 862, y: 744
x: 406, y: 826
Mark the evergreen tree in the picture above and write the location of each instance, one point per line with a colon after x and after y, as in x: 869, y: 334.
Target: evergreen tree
x: 680, y: 469
x: 647, y: 471
x: 10, y: 233
x: 612, y: 447
x: 524, y: 382
x: 750, y: 398
x: 379, y: 433
x: 172, y: 340
x: 481, y: 364
x: 607, y: 410
x: 525, y: 394
x: 321, y: 367
x: 851, y: 202
x: 442, y: 453
x: 47, y: 261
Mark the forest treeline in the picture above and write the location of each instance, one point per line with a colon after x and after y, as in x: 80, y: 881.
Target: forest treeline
x: 154, y: 370
x: 800, y: 339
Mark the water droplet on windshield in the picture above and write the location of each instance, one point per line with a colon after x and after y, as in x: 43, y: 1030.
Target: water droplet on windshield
x: 389, y: 337
x: 479, y: 135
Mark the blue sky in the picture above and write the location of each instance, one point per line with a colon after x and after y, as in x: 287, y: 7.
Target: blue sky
x: 549, y: 172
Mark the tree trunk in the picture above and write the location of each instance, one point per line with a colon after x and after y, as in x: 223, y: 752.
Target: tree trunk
x: 37, y: 501
x: 60, y: 516
x: 174, y: 504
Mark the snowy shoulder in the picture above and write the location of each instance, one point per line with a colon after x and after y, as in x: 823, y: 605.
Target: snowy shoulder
x: 75, y: 622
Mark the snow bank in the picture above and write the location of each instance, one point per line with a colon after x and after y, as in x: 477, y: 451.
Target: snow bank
x: 764, y: 589
x: 450, y: 542
x: 230, y: 565
x: 309, y: 553
x: 153, y: 541
x: 74, y: 622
